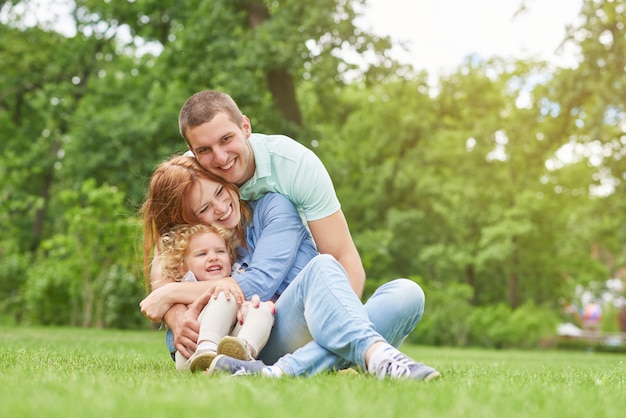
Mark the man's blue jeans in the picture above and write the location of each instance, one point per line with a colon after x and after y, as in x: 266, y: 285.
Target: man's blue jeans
x: 322, y: 325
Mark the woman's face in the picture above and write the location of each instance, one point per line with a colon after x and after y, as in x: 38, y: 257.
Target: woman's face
x: 213, y: 204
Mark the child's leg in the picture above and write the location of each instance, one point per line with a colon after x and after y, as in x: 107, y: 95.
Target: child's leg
x: 216, y: 319
x: 256, y: 328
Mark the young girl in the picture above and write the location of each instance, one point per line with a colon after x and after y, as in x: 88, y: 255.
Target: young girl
x: 190, y: 253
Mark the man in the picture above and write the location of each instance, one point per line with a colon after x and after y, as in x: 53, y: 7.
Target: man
x: 221, y: 138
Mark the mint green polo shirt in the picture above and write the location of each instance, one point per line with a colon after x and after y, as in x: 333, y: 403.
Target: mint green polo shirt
x: 285, y: 166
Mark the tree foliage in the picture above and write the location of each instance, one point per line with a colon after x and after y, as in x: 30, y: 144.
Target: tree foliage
x: 504, y: 182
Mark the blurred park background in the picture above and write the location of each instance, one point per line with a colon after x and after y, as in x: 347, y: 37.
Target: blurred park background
x: 500, y: 187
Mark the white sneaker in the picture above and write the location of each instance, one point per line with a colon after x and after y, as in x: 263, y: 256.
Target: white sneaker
x: 201, y: 360
x: 182, y: 363
x: 235, y: 347
x: 400, y: 366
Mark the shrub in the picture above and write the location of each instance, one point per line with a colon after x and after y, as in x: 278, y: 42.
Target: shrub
x: 499, y: 326
x: 489, y: 325
x: 445, y: 320
x: 13, y: 267
x: 122, y: 292
x: 49, y: 295
x: 450, y: 319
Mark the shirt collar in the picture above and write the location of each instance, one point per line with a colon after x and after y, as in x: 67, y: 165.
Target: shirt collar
x: 262, y: 161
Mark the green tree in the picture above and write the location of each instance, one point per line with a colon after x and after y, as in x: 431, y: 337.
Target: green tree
x: 592, y: 103
x: 258, y: 51
x: 99, y: 102
x: 450, y: 186
x: 90, y: 266
x: 463, y: 186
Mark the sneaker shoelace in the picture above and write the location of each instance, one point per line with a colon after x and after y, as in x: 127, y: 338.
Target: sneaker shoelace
x: 243, y: 371
x: 396, y: 366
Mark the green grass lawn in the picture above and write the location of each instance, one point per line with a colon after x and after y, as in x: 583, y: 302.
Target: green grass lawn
x: 67, y: 372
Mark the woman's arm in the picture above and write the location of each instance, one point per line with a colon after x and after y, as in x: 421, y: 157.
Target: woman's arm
x: 160, y: 300
x: 274, y: 242
x: 166, y: 294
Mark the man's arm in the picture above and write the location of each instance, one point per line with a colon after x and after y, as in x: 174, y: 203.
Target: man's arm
x: 332, y: 236
x: 185, y: 327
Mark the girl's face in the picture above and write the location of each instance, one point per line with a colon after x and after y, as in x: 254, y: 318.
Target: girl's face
x: 207, y: 257
x: 212, y: 204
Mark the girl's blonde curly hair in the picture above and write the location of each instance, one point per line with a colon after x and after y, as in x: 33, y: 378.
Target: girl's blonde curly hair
x: 173, y: 245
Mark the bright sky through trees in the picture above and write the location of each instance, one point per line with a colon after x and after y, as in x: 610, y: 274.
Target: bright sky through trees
x: 440, y: 33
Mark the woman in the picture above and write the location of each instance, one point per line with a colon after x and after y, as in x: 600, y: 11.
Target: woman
x: 320, y: 322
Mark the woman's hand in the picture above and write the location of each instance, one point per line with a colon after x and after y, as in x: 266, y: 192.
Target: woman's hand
x: 229, y: 286
x: 161, y: 299
x: 156, y: 304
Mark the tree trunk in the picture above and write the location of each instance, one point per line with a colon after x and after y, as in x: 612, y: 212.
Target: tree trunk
x: 470, y: 278
x: 279, y: 80
x: 282, y: 87
x: 513, y: 298
x: 40, y: 214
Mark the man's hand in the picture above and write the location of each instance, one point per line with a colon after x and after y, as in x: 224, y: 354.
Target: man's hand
x: 184, y: 325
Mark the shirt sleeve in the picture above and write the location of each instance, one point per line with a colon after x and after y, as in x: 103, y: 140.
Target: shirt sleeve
x: 312, y: 188
x: 277, y: 232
